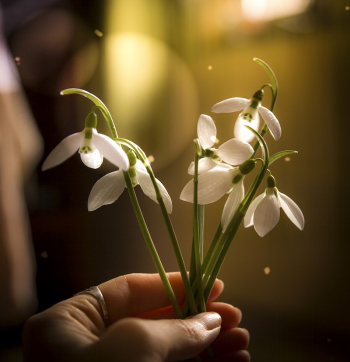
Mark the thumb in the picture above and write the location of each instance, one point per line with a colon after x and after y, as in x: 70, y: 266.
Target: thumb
x: 141, y: 340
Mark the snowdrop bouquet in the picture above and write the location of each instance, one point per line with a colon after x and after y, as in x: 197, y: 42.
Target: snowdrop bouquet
x: 215, y: 172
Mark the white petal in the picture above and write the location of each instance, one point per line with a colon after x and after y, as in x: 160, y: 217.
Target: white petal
x: 92, y: 159
x: 232, y: 203
x: 204, y: 165
x: 230, y: 105
x: 212, y: 185
x: 147, y: 187
x: 106, y: 190
x: 235, y: 151
x: 140, y: 166
x: 292, y: 210
x: 248, y: 219
x: 65, y: 149
x: 271, y: 121
x: 110, y: 150
x: 266, y: 215
x: 206, y: 131
x: 243, y: 133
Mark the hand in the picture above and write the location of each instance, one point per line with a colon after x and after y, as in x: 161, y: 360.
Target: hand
x: 143, y: 327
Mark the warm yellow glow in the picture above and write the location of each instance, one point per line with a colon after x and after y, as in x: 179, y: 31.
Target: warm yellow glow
x: 265, y: 10
x: 136, y: 66
x: 287, y: 159
x: 267, y: 270
x: 150, y: 158
x: 210, y: 67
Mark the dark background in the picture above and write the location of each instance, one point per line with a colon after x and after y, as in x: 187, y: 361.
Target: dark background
x: 157, y: 66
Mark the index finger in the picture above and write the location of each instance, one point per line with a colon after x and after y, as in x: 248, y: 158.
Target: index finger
x: 132, y: 294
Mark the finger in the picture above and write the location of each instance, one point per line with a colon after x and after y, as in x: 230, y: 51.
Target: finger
x: 231, y: 340
x: 132, y: 294
x: 239, y: 356
x: 230, y: 315
x: 230, y: 346
x: 135, y: 339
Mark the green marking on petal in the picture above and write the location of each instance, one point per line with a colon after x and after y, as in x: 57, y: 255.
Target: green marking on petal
x: 237, y: 178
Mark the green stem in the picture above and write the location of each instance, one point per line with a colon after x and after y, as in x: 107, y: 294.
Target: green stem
x: 232, y: 228
x: 151, y: 247
x: 274, y: 90
x: 196, y: 233
x: 98, y: 103
x: 174, y: 242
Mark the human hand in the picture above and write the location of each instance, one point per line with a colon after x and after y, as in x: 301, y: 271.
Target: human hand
x: 143, y: 327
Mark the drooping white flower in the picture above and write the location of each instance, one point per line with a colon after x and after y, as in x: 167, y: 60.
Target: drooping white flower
x: 108, y: 189
x: 92, y: 147
x: 212, y: 185
x: 233, y: 152
x: 264, y: 211
x: 249, y: 116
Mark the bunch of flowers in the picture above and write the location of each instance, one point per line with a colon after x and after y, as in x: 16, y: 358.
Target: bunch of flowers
x: 215, y: 172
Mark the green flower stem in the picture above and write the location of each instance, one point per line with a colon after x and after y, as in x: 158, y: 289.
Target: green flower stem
x: 274, y: 90
x: 232, y: 228
x: 206, y: 260
x: 201, y: 231
x: 196, y: 233
x: 174, y: 243
x: 98, y: 103
x: 151, y: 246
x: 141, y: 155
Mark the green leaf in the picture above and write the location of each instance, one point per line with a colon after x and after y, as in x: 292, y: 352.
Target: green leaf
x: 280, y: 154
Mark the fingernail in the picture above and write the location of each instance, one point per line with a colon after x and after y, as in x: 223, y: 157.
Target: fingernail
x: 222, y: 284
x: 240, y: 314
x: 210, y: 320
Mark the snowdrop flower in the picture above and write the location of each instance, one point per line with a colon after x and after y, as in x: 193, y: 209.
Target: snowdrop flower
x: 233, y: 152
x: 108, y: 189
x: 249, y: 116
x: 264, y: 211
x: 92, y: 147
x: 214, y: 184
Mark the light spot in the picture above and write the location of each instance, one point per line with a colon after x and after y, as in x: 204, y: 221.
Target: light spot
x: 44, y: 254
x: 267, y: 270
x: 213, y: 138
x: 217, y: 140
x: 347, y: 8
x: 150, y: 158
x: 210, y: 67
x: 98, y: 33
x: 287, y: 159
x: 18, y: 60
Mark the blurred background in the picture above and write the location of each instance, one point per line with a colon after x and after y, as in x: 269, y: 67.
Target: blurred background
x: 158, y: 65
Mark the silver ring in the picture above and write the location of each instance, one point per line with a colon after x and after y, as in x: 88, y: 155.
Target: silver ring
x: 96, y: 293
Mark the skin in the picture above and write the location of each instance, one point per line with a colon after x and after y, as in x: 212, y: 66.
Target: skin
x: 143, y: 327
